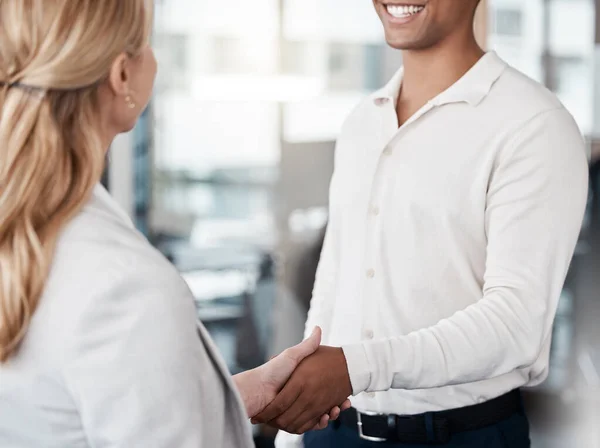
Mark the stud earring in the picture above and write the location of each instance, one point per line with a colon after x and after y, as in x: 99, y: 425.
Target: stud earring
x: 129, y: 101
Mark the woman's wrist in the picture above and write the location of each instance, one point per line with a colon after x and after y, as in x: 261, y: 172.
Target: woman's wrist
x: 250, y: 390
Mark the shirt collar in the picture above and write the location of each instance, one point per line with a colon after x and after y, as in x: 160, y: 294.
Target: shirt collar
x: 472, y: 88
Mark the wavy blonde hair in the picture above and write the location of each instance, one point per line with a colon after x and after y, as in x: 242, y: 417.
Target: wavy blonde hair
x: 53, y: 56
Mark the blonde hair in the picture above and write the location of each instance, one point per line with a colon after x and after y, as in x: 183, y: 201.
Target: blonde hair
x: 53, y: 56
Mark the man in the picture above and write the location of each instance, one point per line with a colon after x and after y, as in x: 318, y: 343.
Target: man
x: 455, y: 206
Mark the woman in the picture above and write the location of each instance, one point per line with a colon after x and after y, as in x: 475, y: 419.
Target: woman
x: 99, y: 345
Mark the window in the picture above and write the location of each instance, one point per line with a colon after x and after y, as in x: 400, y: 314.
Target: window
x: 232, y: 54
x: 172, y: 50
x: 234, y: 86
x: 245, y: 94
x: 508, y: 22
x: 551, y: 41
x: 573, y: 82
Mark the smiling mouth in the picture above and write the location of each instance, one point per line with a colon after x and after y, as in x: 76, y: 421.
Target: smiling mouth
x: 403, y: 11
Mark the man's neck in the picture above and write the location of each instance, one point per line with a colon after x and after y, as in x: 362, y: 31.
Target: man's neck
x: 427, y: 73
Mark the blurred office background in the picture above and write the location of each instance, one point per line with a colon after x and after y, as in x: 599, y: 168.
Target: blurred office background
x: 228, y: 171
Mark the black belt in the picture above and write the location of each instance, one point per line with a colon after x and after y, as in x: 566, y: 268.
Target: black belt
x: 434, y: 428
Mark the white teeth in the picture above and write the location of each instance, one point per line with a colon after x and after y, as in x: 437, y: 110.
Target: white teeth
x: 401, y: 11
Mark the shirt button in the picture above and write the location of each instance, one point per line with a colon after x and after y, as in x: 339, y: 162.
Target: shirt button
x: 387, y: 152
x: 371, y: 394
x: 371, y: 273
x: 375, y: 211
x: 369, y: 334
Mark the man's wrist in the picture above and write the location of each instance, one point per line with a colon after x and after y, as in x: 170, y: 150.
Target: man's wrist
x: 344, y: 374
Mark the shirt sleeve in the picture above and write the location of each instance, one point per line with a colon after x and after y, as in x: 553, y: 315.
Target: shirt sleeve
x: 535, y: 204
x: 138, y: 370
x: 287, y: 440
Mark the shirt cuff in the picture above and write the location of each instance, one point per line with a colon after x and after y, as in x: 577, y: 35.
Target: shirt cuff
x: 358, y: 367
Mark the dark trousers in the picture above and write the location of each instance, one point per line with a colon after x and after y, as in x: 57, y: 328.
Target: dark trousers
x: 510, y: 433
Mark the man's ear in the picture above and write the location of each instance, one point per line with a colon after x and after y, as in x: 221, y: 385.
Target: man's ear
x: 119, y: 76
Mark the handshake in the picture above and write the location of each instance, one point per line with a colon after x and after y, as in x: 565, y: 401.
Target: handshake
x: 301, y: 389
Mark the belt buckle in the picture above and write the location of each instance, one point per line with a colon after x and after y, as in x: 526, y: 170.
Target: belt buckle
x: 359, y: 423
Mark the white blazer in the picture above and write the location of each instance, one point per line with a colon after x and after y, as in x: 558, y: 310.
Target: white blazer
x: 114, y: 356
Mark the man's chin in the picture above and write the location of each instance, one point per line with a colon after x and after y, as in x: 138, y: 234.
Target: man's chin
x: 401, y: 44
x: 405, y: 43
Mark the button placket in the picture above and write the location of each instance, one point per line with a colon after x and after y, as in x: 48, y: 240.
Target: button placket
x: 371, y: 249
x: 391, y: 134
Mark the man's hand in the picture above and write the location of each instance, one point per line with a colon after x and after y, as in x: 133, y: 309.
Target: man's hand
x: 320, y: 382
x: 259, y: 387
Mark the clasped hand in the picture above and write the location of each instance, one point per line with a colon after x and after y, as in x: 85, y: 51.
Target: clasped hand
x: 319, y: 383
x: 302, y: 389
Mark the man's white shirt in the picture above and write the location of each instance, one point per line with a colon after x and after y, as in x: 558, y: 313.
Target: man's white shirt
x: 449, y: 240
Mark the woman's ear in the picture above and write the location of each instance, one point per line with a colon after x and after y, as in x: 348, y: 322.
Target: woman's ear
x: 119, y: 76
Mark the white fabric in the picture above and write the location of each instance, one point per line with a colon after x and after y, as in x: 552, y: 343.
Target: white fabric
x: 114, y: 356
x: 449, y: 241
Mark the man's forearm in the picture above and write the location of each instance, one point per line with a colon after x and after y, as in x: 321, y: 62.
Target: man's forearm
x: 492, y: 337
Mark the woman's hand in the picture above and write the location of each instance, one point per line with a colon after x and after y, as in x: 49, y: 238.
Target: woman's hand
x: 260, y: 386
